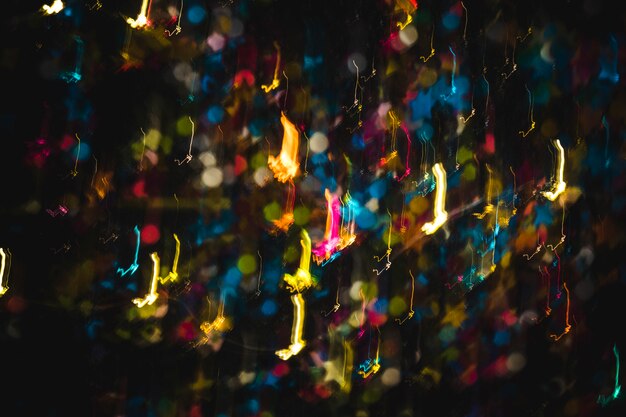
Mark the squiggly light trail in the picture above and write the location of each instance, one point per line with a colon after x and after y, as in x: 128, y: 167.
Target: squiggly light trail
x: 54, y: 8
x: 152, y: 295
x: 133, y: 267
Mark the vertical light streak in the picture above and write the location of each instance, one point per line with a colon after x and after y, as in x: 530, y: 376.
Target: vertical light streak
x: 285, y: 166
x: 544, y: 273
x: 143, y: 150
x: 440, y: 213
x: 452, y: 83
x: 178, y: 28
x: 76, y: 75
x: 567, y: 325
x: 531, y: 112
x: 287, y: 219
x: 142, y: 18
x: 302, y: 279
x: 489, y: 207
x: 327, y: 247
x: 5, y: 269
x: 275, y: 80
x: 465, y: 27
x: 370, y: 367
x: 219, y: 322
x: 54, y: 8
x: 407, y: 167
x: 604, y: 400
x: 387, y: 254
x: 189, y: 156
x: 74, y: 171
x: 432, y: 50
x: 173, y: 274
x: 560, y: 185
x: 297, y: 343
x: 348, y: 223
x: 133, y: 267
x: 411, y: 312
x: 152, y: 295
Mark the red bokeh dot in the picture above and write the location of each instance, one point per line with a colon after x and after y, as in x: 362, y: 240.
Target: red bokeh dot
x: 150, y: 234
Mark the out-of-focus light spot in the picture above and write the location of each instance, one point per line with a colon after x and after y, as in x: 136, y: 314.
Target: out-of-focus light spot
x: 301, y: 215
x: 366, y: 219
x: 82, y: 152
x: 378, y: 188
x: 215, y: 114
x: 212, y: 177
x: 207, y: 159
x: 262, y: 176
x: 318, y: 142
x: 515, y: 362
x: 408, y: 35
x: 272, y: 211
x: 241, y: 164
x: 450, y: 21
x: 358, y: 59
x: 247, y: 263
x: 196, y: 14
x: 150, y: 234
x: 269, y: 307
x: 216, y: 41
x: 391, y: 377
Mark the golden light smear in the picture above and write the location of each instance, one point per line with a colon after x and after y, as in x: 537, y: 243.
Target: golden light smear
x: 296, y: 329
x: 152, y: 295
x: 4, y: 270
x: 54, y: 8
x: 560, y: 185
x: 286, y: 165
x: 302, y: 279
x: 173, y: 274
x: 440, y: 201
x: 142, y: 18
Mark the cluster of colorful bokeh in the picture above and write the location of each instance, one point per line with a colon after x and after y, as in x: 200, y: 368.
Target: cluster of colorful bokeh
x: 348, y: 208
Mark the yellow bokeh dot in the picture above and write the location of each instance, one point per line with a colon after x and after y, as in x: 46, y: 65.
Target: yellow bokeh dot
x: 397, y: 306
x: 506, y: 260
x: 549, y: 128
x: 418, y: 205
x: 183, y: 126
x: 247, y: 263
x: 272, y: 211
x: 427, y: 77
x: 469, y: 173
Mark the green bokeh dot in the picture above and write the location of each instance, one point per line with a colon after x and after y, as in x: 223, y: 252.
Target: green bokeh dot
x: 301, y: 215
x: 247, y: 263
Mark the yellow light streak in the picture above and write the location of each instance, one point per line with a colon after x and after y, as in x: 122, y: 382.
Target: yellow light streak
x: 411, y: 312
x: 275, y: 81
x: 531, y: 112
x: 142, y: 18
x: 432, y: 50
x: 347, y: 234
x: 178, y: 28
x: 404, y: 24
x: 296, y: 330
x: 286, y: 165
x: 567, y: 325
x: 189, y: 156
x: 302, y: 279
x: 74, y: 172
x: 173, y: 274
x: 387, y: 254
x: 4, y: 270
x: 54, y: 8
x: 560, y: 183
x: 440, y: 201
x: 152, y: 295
x: 219, y: 323
x: 489, y: 207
